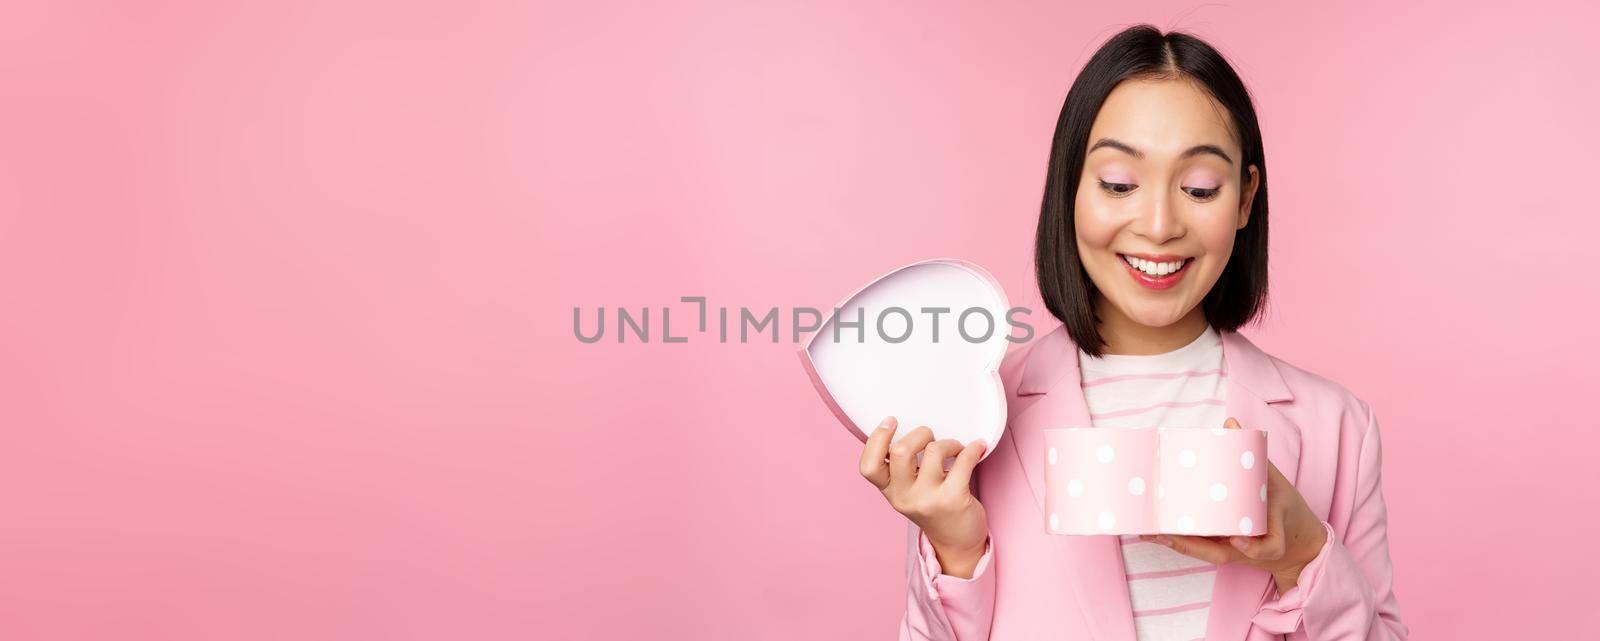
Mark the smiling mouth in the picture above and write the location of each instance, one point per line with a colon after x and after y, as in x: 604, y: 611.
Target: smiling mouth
x: 1156, y: 269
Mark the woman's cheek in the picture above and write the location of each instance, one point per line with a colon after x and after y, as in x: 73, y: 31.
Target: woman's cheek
x: 1220, y: 231
x: 1101, y: 211
x: 1221, y: 248
x: 1096, y: 226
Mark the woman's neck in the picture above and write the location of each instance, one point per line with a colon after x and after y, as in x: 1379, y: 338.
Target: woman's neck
x: 1124, y: 335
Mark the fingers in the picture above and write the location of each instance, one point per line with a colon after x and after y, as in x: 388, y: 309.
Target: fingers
x: 874, y: 465
x: 1232, y: 424
x: 903, y: 458
x: 960, y: 474
x: 1267, y: 547
x: 1200, y: 547
x: 1275, y: 528
x: 933, y: 456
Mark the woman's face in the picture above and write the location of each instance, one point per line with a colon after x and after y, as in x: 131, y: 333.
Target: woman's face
x: 1161, y: 186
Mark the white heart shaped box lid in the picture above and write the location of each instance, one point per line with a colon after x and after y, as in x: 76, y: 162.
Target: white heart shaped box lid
x: 951, y: 385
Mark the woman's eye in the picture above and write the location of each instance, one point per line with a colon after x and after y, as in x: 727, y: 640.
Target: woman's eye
x: 1202, y: 194
x: 1118, y: 189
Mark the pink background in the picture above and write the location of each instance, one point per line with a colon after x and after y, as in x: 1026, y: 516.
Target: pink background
x: 286, y: 349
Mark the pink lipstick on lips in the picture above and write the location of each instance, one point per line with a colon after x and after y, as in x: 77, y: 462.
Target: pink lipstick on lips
x: 1157, y: 282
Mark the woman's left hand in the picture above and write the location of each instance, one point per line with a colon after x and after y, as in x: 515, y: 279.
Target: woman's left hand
x: 1294, y: 535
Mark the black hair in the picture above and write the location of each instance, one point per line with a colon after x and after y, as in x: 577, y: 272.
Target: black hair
x: 1145, y: 52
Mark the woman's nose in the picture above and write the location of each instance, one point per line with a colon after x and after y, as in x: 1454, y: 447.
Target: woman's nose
x: 1158, y: 221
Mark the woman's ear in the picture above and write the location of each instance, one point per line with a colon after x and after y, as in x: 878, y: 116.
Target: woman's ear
x: 1249, y: 192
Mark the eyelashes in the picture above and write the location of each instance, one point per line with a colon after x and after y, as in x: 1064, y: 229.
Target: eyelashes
x: 1119, y: 190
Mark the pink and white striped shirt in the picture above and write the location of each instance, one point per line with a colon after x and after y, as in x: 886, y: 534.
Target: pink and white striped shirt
x: 1186, y: 387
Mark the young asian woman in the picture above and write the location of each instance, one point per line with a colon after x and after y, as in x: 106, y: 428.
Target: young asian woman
x: 1152, y: 234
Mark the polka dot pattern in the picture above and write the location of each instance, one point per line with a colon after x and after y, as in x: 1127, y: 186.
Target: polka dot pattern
x: 1105, y: 454
x: 1097, y: 481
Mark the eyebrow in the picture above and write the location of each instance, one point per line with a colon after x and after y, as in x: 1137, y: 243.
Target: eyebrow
x: 1191, y: 152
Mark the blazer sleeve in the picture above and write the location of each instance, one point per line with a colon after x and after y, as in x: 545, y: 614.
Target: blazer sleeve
x: 940, y: 607
x: 1347, y: 591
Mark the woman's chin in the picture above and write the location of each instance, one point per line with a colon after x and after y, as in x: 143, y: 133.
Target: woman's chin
x: 1155, y: 316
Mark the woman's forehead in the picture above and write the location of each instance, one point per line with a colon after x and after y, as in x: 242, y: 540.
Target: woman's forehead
x: 1162, y: 117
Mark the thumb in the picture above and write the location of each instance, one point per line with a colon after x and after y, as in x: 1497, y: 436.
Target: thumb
x: 1232, y: 424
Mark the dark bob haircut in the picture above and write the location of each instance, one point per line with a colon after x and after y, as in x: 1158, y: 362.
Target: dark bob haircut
x: 1137, y: 53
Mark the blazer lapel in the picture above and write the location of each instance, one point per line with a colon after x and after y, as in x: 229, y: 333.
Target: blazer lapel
x: 1051, y: 375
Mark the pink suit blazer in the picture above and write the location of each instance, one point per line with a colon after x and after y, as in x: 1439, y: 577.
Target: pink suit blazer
x: 1031, y: 585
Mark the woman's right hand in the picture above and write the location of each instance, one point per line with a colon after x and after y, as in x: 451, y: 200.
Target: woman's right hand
x: 939, y: 502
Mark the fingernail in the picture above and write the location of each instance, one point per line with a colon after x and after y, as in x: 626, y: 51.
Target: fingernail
x: 886, y: 422
x: 979, y: 443
x: 1238, y: 543
x: 1164, y: 540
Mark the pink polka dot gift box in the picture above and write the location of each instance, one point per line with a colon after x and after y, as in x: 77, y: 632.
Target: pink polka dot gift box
x: 1200, y: 481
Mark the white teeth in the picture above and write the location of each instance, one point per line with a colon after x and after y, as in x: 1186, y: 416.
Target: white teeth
x: 1153, y: 269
